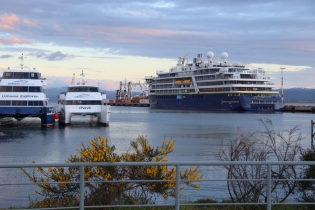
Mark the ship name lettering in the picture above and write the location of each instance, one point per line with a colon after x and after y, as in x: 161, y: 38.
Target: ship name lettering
x: 28, y: 96
x: 84, y: 107
x: 10, y: 96
x: 229, y: 102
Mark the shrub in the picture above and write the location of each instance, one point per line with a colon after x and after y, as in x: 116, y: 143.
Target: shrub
x: 58, y: 194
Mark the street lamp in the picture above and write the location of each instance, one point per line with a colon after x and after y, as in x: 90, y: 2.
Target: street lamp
x: 282, y: 80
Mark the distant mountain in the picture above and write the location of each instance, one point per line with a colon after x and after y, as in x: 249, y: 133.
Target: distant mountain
x: 299, y: 94
x: 52, y: 93
x: 293, y: 94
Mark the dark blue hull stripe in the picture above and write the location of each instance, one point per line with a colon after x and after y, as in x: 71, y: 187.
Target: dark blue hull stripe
x: 220, y: 102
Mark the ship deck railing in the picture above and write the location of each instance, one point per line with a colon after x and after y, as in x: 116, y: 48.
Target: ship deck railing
x: 177, y: 165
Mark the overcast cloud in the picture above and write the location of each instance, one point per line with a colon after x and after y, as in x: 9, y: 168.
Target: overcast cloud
x: 261, y: 31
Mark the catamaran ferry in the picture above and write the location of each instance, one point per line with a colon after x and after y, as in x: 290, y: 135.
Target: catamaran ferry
x: 82, y: 99
x: 22, y: 95
x: 210, y: 84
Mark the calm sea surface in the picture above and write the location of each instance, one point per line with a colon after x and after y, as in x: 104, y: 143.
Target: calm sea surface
x: 197, y: 136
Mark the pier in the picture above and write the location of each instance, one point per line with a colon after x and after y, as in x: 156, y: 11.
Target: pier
x: 287, y: 108
x: 299, y: 108
x: 128, y: 104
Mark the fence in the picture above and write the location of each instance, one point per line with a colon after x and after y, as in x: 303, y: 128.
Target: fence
x: 177, y: 166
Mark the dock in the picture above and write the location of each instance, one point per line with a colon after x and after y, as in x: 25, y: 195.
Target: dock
x: 299, y: 108
x: 287, y: 108
x: 129, y: 104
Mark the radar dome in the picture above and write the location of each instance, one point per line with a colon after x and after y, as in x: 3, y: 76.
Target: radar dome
x: 210, y: 54
x: 224, y: 55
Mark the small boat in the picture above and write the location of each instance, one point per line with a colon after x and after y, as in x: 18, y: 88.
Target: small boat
x: 22, y: 95
x: 82, y: 99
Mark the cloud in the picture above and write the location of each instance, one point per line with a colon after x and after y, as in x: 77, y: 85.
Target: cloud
x: 14, y: 40
x: 55, y: 56
x: 28, y: 23
x: 162, y: 4
x: 56, y: 26
x: 58, y: 56
x: 6, y: 56
x: 89, y: 43
x: 11, y: 22
x: 276, y: 67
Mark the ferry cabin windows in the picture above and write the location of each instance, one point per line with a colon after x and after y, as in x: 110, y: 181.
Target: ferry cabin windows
x: 6, y: 89
x: 34, y: 89
x: 20, y: 89
x: 81, y: 102
x: 37, y: 89
x: 5, y: 103
x: 21, y: 103
x: 35, y: 103
x: 83, y: 89
x: 7, y: 75
x: 21, y: 75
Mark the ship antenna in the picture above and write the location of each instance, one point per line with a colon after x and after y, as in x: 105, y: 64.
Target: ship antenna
x: 21, y: 57
x: 83, y: 82
x: 72, y: 81
x: 282, y: 82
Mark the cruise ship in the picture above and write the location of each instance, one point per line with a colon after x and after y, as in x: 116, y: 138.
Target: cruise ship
x: 82, y: 99
x: 213, y: 84
x: 22, y: 95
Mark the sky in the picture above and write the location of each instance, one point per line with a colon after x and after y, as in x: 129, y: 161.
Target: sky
x: 118, y: 40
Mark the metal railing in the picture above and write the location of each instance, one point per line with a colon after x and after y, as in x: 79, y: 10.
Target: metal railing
x: 177, y: 166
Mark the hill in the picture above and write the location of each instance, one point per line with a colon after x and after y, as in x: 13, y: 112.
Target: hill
x: 299, y: 94
x: 290, y: 95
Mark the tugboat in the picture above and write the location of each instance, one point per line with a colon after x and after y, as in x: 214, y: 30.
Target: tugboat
x: 22, y: 95
x: 82, y: 99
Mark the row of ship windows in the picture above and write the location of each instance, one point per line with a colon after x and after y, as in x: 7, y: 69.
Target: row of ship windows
x: 174, y: 91
x: 81, y: 102
x: 263, y: 102
x: 213, y: 77
x: 231, y: 83
x: 83, y: 89
x: 253, y: 94
x: 213, y: 89
x: 193, y: 96
x: 155, y: 86
x: 21, y: 89
x: 21, y: 103
x: 21, y: 75
x: 165, y: 96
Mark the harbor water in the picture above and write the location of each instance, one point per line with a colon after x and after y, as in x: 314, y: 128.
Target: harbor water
x: 197, y: 135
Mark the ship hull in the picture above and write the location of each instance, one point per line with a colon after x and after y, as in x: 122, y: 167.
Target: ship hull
x: 45, y: 113
x: 216, y: 102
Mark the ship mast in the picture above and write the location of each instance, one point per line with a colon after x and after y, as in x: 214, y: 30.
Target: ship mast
x: 72, y: 81
x: 22, y: 64
x: 83, y: 82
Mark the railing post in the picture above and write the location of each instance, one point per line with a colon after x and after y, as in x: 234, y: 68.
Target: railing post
x: 312, y: 133
x: 268, y: 186
x: 177, y: 187
x: 81, y: 187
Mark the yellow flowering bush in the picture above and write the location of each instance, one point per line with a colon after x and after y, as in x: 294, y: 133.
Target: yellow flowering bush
x: 57, y: 189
